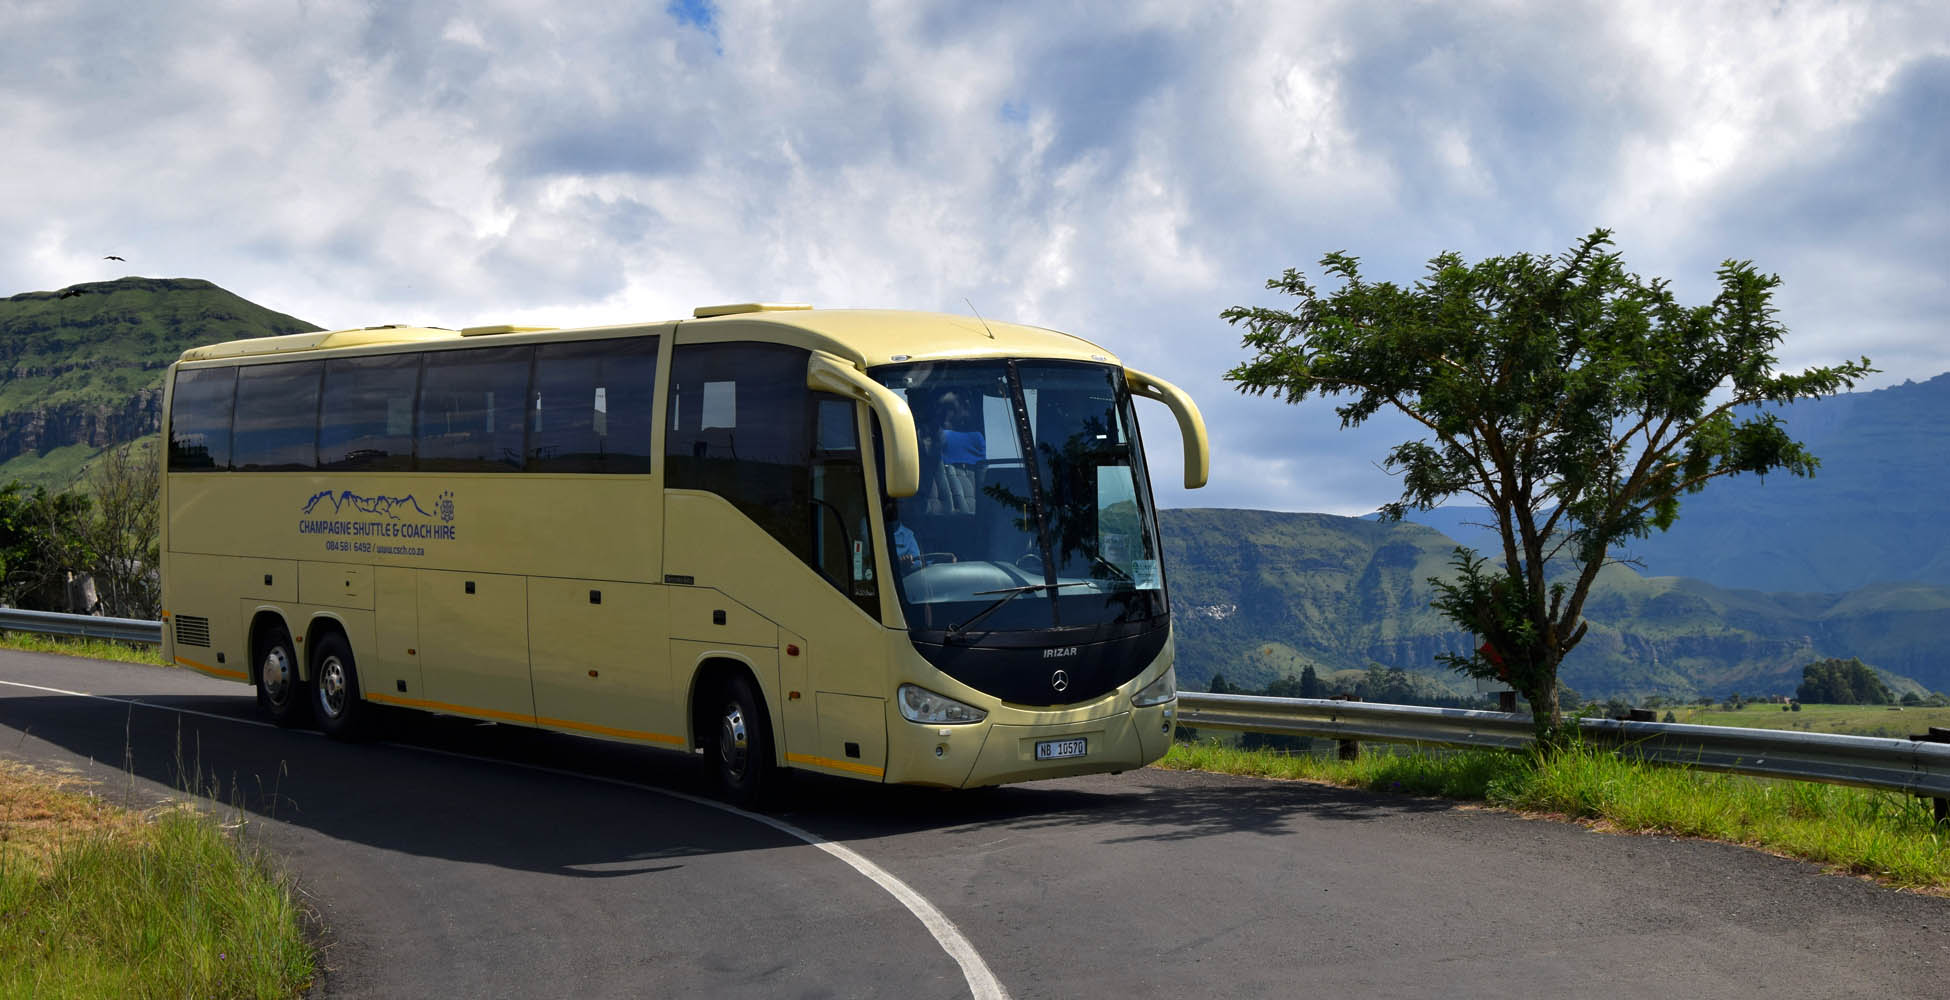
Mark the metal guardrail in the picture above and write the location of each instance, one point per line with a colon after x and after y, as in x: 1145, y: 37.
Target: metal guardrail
x: 87, y: 626
x: 1916, y: 767
x: 1912, y: 766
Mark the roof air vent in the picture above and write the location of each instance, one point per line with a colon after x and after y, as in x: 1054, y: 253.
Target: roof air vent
x: 706, y: 312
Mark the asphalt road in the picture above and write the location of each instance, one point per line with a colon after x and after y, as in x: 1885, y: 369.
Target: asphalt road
x: 462, y: 860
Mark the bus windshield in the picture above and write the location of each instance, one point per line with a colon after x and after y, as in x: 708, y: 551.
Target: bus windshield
x: 1034, y: 510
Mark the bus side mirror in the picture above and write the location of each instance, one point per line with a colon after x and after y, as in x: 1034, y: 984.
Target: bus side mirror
x: 1191, y: 426
x: 831, y: 373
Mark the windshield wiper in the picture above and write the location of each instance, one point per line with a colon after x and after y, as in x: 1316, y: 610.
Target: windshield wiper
x: 1008, y: 594
x: 1113, y: 567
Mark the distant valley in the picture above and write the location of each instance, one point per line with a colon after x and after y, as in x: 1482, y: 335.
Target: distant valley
x: 1259, y: 594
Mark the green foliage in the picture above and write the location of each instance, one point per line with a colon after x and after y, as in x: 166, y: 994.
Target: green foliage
x: 1574, y: 399
x: 39, y: 546
x: 105, y: 530
x: 1844, y: 682
x: 120, y: 531
x: 1497, y: 607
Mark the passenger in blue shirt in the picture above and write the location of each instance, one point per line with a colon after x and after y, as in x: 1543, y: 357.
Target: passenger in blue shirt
x: 962, y: 452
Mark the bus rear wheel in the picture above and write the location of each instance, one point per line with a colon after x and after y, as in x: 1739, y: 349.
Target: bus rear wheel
x: 341, y: 713
x: 743, y: 756
x: 280, y: 691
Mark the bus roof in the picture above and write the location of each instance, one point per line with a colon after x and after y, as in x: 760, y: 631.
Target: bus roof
x: 869, y: 337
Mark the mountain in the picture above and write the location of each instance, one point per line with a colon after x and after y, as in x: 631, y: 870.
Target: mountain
x: 1875, y: 511
x: 1258, y: 594
x: 82, y: 368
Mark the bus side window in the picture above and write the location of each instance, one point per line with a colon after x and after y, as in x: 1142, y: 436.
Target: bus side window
x: 740, y: 427
x: 365, y: 420
x: 199, y: 419
x: 277, y: 417
x: 470, y: 416
x: 591, y: 407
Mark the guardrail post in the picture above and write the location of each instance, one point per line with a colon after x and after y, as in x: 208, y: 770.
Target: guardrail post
x: 1350, y: 749
x: 1937, y: 734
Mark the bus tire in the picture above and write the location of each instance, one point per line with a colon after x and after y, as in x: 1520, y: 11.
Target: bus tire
x: 741, y: 750
x: 336, y: 703
x: 280, y: 691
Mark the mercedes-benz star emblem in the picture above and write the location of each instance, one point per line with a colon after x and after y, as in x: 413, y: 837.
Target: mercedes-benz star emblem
x: 1060, y: 680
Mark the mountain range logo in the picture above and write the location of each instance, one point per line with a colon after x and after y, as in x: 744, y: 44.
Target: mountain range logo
x: 382, y: 506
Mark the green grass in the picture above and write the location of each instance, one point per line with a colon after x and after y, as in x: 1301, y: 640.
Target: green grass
x: 1885, y: 835
x: 100, y: 649
x: 1855, y: 720
x: 96, y: 904
x: 56, y: 470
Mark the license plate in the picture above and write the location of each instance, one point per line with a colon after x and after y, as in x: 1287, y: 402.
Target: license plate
x: 1059, y: 749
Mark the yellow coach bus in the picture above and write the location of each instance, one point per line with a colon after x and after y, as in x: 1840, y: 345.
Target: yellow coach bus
x: 896, y: 546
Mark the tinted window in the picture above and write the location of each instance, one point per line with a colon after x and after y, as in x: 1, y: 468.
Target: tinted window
x: 365, y: 420
x: 740, y: 427
x: 470, y: 409
x: 277, y: 417
x: 199, y: 419
x: 842, y: 550
x: 591, y: 407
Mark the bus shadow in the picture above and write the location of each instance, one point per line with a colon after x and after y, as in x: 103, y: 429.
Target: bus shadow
x: 428, y: 786
x: 1146, y: 805
x: 419, y: 789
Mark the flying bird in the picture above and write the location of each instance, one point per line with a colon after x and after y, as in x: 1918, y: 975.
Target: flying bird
x: 113, y: 257
x: 68, y: 293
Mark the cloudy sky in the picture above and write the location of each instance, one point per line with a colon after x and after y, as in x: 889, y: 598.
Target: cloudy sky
x: 1123, y: 171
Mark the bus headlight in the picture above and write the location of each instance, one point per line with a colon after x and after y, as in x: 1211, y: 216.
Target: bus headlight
x: 918, y: 704
x: 1159, y: 691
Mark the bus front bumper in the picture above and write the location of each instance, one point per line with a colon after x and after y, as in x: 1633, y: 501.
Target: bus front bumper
x: 998, y: 754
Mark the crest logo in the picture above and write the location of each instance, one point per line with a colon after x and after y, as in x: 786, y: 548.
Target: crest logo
x: 444, y: 506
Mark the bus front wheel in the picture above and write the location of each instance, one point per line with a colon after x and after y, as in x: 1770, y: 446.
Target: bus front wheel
x: 280, y: 692
x: 335, y: 689
x: 744, y: 746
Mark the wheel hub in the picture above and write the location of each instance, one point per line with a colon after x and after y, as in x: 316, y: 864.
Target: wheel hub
x: 733, y: 748
x: 276, y: 675
x: 331, y: 687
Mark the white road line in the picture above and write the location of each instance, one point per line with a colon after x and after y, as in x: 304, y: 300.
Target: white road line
x: 150, y: 704
x: 981, y: 982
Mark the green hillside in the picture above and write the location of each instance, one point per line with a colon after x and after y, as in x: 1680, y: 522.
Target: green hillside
x: 81, y: 368
x: 1258, y: 594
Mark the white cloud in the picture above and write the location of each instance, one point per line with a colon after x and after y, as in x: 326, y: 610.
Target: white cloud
x: 1124, y: 171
